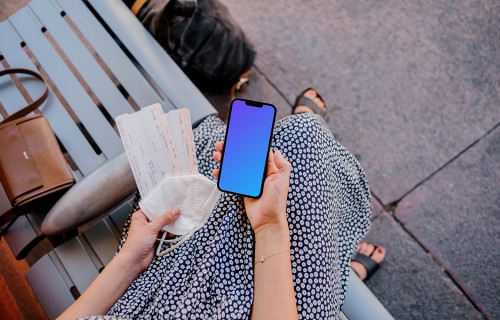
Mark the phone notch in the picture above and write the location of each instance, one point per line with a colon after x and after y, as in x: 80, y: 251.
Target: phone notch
x: 251, y: 103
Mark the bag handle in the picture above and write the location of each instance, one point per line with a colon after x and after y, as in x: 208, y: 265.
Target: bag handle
x: 35, y: 104
x: 10, y: 215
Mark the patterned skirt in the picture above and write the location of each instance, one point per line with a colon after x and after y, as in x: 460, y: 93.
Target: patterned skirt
x: 210, y: 276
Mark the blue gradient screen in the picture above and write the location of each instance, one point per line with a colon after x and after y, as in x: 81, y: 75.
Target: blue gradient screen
x: 245, y: 148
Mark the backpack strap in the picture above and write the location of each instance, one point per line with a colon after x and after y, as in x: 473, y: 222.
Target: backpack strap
x: 137, y: 6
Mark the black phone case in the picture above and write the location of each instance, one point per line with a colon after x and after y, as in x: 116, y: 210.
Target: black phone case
x: 255, y: 103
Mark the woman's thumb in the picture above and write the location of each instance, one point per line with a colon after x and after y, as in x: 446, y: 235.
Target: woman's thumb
x: 166, y: 218
x: 281, y: 163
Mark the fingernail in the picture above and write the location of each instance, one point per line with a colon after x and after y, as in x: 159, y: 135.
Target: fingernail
x: 176, y: 211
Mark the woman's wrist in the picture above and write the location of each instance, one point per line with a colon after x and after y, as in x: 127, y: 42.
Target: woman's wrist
x: 271, y: 239
x: 272, y: 230
x: 275, y: 231
x: 128, y: 263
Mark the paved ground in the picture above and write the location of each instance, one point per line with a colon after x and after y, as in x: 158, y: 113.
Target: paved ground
x: 413, y: 90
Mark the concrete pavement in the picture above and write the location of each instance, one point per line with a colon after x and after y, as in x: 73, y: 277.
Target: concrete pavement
x: 413, y: 90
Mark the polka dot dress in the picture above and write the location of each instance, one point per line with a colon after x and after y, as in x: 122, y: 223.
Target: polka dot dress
x: 210, y: 276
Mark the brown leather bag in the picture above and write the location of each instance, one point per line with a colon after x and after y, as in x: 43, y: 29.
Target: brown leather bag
x: 33, y: 171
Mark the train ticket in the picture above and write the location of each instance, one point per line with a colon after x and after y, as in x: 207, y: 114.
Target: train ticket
x: 179, y: 126
x: 149, y: 147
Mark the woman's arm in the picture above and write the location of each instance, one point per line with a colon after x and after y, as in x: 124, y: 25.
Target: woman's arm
x: 106, y: 289
x: 134, y: 257
x: 274, y: 296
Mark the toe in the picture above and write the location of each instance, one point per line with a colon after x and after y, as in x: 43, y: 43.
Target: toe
x: 378, y: 255
x: 311, y: 94
x: 361, y: 247
x: 320, y: 103
x: 367, y: 249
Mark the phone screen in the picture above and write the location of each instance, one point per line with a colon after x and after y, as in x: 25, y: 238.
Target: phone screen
x: 246, y: 147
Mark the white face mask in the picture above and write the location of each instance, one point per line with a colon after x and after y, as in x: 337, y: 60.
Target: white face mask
x: 196, y: 197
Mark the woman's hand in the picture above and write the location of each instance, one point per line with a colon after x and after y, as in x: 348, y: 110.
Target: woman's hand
x: 139, y: 246
x: 270, y: 209
x: 134, y: 257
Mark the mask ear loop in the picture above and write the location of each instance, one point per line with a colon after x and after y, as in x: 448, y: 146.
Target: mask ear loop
x: 179, y: 241
x: 164, y: 235
x: 209, y: 203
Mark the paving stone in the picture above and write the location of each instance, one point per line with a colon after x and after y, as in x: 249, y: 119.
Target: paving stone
x: 260, y: 90
x: 376, y: 207
x: 7, y: 8
x: 410, y: 284
x: 408, y: 84
x: 456, y: 215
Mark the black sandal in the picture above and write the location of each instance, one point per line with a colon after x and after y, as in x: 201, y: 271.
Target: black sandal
x: 370, y: 265
x: 305, y: 101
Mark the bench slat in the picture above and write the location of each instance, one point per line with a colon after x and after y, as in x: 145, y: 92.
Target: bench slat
x: 120, y: 215
x: 60, y: 121
x: 80, y: 57
x: 49, y: 286
x: 153, y: 58
x: 116, y: 60
x: 102, y: 239
x: 22, y: 236
x: 86, y: 110
x: 77, y: 263
x: 10, y: 97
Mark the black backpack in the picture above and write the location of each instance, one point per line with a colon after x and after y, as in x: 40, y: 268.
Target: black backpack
x: 202, y: 38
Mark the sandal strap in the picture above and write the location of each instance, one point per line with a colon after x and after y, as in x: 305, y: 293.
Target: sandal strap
x: 370, y: 265
x: 305, y: 101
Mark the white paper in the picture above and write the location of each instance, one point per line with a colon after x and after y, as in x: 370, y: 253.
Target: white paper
x: 148, y: 146
x: 161, y: 152
x: 179, y: 127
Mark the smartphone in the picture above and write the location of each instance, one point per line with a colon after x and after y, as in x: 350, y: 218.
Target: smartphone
x: 246, y: 147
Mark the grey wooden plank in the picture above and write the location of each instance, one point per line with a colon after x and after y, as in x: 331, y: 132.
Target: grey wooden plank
x: 111, y: 98
x: 62, y: 124
x: 116, y: 231
x: 102, y: 239
x: 91, y: 253
x: 120, y: 215
x: 157, y: 63
x: 121, y: 66
x: 10, y: 97
x: 83, y: 106
x: 49, y: 286
x: 77, y: 263
x: 22, y: 236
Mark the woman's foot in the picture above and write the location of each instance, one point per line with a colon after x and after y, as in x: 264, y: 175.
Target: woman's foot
x: 311, y: 94
x: 377, y: 254
x: 310, y: 101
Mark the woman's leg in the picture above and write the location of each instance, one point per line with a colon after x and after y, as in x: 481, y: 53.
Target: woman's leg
x: 328, y: 206
x: 328, y: 211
